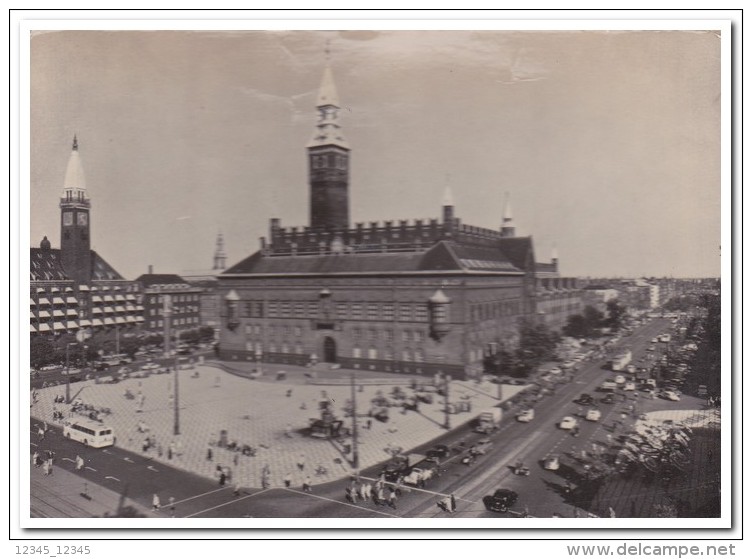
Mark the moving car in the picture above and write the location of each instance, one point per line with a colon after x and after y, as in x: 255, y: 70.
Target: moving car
x: 551, y: 463
x: 568, y: 422
x: 149, y: 366
x: 500, y: 501
x: 526, y: 416
x: 438, y: 451
x: 593, y: 415
x: 670, y: 395
x: 608, y: 398
x: 619, y: 379
x: 585, y: 399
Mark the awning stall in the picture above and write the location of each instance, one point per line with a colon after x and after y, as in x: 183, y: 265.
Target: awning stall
x: 71, y: 312
x: 96, y: 322
x: 44, y: 314
x: 69, y: 290
x: 119, y: 297
x: 44, y: 328
x: 32, y: 329
x: 139, y: 319
x: 71, y: 325
x: 83, y: 288
x: 119, y: 320
x: 58, y: 301
x: 71, y: 300
x: 84, y: 322
x: 108, y: 299
x: 33, y: 303
x: 57, y: 326
x: 32, y: 316
x: 130, y: 308
x: 130, y: 297
x: 139, y: 307
x: 119, y: 308
x: 108, y: 321
x: 44, y: 302
x: 96, y: 299
x: 57, y: 313
x: 54, y: 290
x: 130, y: 319
x: 96, y: 310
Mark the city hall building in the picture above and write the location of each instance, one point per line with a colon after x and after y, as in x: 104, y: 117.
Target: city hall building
x: 419, y: 297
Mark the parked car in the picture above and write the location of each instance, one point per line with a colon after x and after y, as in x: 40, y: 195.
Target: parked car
x: 551, y: 463
x: 585, y: 399
x: 149, y: 366
x: 526, y: 416
x: 608, y: 398
x: 629, y: 385
x: 593, y: 415
x: 620, y: 379
x: 500, y: 501
x: 567, y: 422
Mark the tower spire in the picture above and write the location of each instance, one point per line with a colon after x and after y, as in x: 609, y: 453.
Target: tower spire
x: 507, y: 223
x: 329, y: 157
x: 220, y: 257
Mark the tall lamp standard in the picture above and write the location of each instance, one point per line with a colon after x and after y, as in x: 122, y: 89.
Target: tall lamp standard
x: 167, y: 312
x: 67, y: 370
x: 447, y: 415
x: 355, y: 457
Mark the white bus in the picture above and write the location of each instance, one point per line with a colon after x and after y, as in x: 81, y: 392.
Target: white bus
x: 90, y: 433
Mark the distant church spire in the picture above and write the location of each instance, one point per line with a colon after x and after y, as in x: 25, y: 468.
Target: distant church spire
x: 555, y: 257
x: 220, y: 257
x: 507, y: 223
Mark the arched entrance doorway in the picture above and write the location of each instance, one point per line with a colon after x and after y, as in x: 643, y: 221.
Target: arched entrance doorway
x: 330, y: 350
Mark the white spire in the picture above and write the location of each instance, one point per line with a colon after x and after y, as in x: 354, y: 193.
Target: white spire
x: 328, y: 130
x: 507, y: 217
x: 74, y: 176
x: 448, y: 199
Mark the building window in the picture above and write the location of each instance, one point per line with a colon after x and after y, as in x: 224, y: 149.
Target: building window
x: 247, y: 329
x: 299, y: 310
x: 373, y: 312
x: 298, y: 349
x: 272, y: 309
x: 406, y: 335
x: 372, y: 335
x: 372, y: 353
x: 356, y: 352
x: 406, y: 312
x: 388, y: 336
x: 284, y: 347
x: 389, y: 353
x: 313, y: 309
x: 356, y: 310
x: 284, y: 310
x: 407, y: 355
x: 356, y: 333
x: 418, y: 336
x: 257, y: 329
x: 421, y: 313
x: 298, y: 331
x: 341, y: 310
x: 388, y: 311
x: 419, y: 356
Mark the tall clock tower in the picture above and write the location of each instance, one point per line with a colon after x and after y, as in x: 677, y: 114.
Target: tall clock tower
x: 329, y: 162
x: 75, y: 238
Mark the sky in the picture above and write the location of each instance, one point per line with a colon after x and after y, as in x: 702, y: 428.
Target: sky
x: 607, y: 142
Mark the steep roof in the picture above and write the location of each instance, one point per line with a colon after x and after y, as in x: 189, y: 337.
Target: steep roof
x: 47, y: 264
x: 443, y: 256
x: 518, y: 250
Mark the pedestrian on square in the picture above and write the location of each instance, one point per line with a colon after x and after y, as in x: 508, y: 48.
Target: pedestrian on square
x: 209, y: 454
x: 307, y: 485
x: 40, y: 432
x: 392, y: 498
x: 364, y: 491
x: 349, y: 495
x: 170, y: 450
x: 222, y: 478
x: 79, y: 462
x: 301, y: 462
x: 155, y: 503
x: 172, y: 507
x: 379, y: 498
x: 235, y: 459
x: 287, y: 480
x: 47, y: 467
x: 35, y: 459
x: 289, y: 392
x: 236, y: 490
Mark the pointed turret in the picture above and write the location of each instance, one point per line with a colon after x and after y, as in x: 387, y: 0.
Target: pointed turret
x: 329, y: 162
x: 507, y: 223
x: 74, y: 187
x: 220, y: 257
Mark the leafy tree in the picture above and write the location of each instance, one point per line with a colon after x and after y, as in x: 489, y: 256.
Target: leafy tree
x: 42, y: 352
x: 585, y: 325
x: 614, y: 315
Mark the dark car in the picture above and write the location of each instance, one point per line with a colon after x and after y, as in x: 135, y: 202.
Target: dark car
x: 585, y: 399
x: 500, y: 501
x: 438, y: 451
x: 608, y: 398
x: 396, y: 468
x: 101, y: 366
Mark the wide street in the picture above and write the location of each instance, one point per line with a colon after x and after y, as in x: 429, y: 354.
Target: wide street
x: 138, y: 476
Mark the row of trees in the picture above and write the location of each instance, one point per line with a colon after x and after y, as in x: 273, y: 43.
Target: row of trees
x: 537, y: 344
x: 47, y: 350
x: 592, y: 322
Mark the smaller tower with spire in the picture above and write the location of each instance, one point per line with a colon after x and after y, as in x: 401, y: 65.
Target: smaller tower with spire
x: 555, y: 258
x: 507, y: 223
x: 220, y: 257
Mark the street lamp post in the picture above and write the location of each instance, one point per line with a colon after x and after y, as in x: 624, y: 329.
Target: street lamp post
x: 355, y: 458
x: 67, y: 371
x: 167, y: 312
x: 447, y: 415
